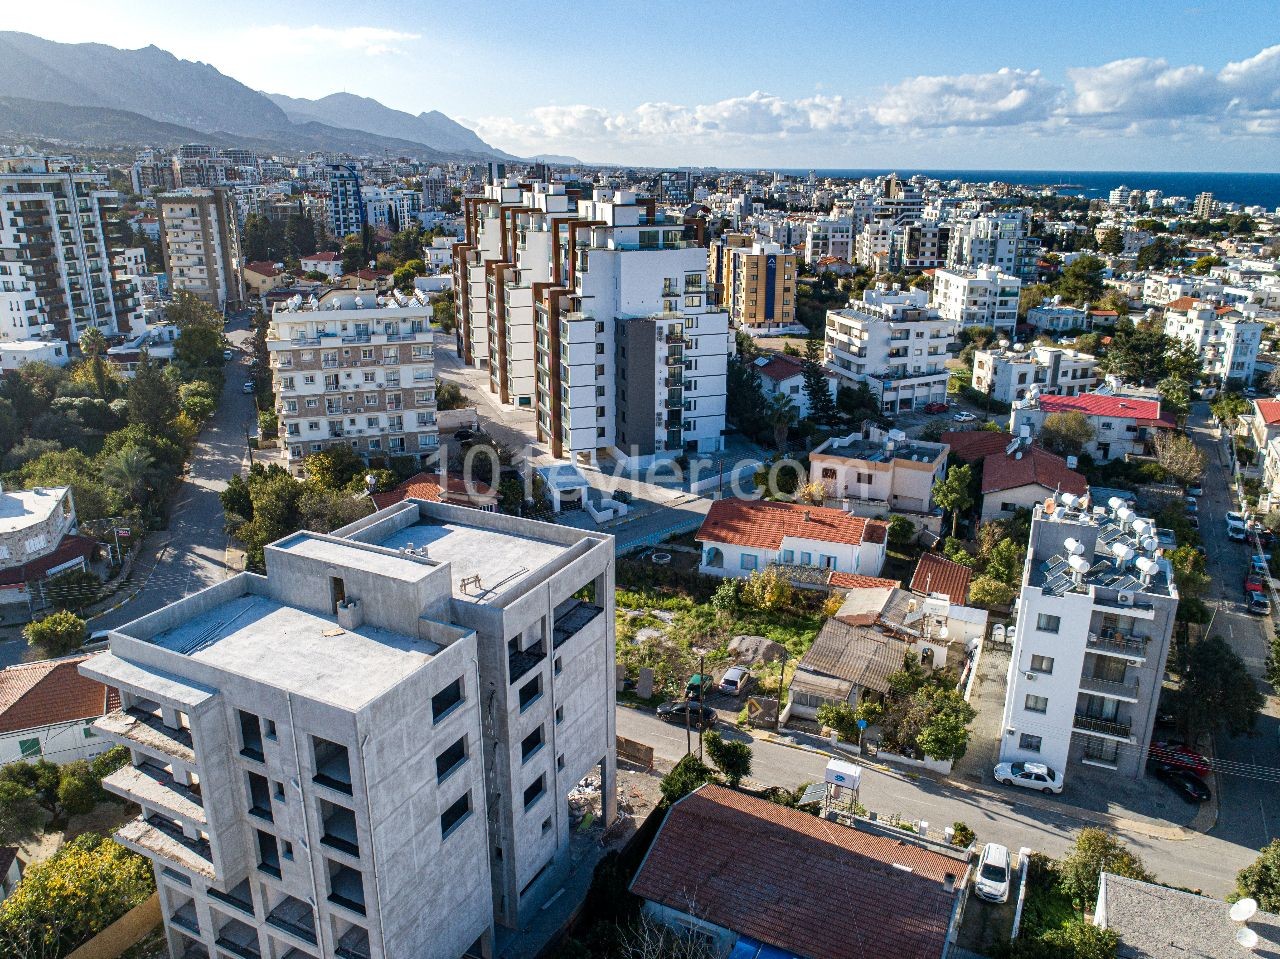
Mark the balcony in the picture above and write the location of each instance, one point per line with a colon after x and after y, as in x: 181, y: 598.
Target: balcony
x: 144, y: 731
x: 238, y: 898
x: 1108, y: 728
x: 154, y: 786
x: 346, y: 889
x: 160, y: 838
x: 296, y: 918
x: 354, y: 944
x: 520, y: 662
x: 571, y: 617
x: 185, y: 918
x: 1112, y: 689
x: 1113, y: 643
x: 239, y: 939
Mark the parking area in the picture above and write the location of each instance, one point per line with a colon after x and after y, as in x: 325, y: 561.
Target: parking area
x: 986, y: 924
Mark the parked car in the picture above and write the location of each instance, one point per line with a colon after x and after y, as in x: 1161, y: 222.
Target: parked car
x: 1259, y: 604
x: 964, y: 416
x: 698, y: 686
x: 228, y: 354
x: 1030, y: 776
x: 1193, y: 521
x: 1195, y: 489
x: 464, y: 435
x: 1236, y: 533
x: 699, y: 716
x: 1176, y: 754
x: 1186, y: 784
x: 248, y: 387
x: 1192, y: 507
x: 734, y: 680
x: 1260, y: 564
x: 1250, y: 391
x: 935, y: 407
x: 991, y: 880
x: 1235, y: 518
x: 1254, y: 583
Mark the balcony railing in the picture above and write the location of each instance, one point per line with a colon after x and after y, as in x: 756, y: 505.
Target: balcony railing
x: 1115, y: 728
x: 1119, y: 644
x: 1109, y: 687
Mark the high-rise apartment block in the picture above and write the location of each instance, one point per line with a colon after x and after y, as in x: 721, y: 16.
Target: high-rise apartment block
x: 892, y: 341
x: 200, y: 239
x: 829, y: 236
x: 57, y: 242
x: 985, y: 297
x: 754, y: 280
x: 1205, y: 206
x: 347, y: 213
x: 1095, y: 616
x: 595, y: 313
x: 355, y: 368
x: 995, y: 240
x: 365, y: 753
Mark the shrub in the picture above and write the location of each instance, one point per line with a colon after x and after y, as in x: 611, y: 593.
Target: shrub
x: 58, y: 634
x: 962, y: 835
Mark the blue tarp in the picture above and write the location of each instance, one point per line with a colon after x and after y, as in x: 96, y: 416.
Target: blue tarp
x: 748, y: 948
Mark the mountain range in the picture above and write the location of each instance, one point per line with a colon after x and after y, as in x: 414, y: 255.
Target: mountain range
x: 101, y: 95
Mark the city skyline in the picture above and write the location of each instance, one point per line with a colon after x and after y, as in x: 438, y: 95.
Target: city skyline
x: 938, y: 86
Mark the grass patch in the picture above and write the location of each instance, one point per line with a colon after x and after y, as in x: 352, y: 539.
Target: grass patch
x: 1046, y: 907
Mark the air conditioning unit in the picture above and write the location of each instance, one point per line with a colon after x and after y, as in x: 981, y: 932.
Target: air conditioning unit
x: 1030, y: 677
x: 1124, y: 599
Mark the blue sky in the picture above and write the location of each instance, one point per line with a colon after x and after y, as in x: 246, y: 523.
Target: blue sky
x: 1084, y: 85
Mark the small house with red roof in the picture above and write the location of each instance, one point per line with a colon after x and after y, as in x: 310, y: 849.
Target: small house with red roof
x: 263, y: 276
x: 1122, y: 425
x: 741, y: 536
x: 330, y: 264
x: 47, y: 710
x: 451, y: 489
x: 1015, y: 475
x: 783, y: 374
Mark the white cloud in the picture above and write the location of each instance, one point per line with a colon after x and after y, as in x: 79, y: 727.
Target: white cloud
x: 1004, y: 98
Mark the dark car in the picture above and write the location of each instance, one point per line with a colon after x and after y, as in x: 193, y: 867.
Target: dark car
x: 464, y: 435
x: 935, y: 407
x: 699, y: 716
x: 1186, y: 784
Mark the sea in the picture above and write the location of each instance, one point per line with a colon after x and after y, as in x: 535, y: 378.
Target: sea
x: 1247, y: 189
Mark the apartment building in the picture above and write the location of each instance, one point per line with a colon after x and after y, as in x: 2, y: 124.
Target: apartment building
x: 1053, y: 316
x: 829, y: 236
x: 1095, y: 616
x: 346, y: 208
x: 1226, y: 339
x: 999, y: 241
x: 923, y: 245
x: 1160, y: 289
x: 755, y: 281
x: 873, y: 248
x: 985, y: 297
x: 874, y: 472
x: 485, y: 243
x: 366, y: 752
x: 1205, y: 206
x: 893, y: 342
x: 356, y: 368
x: 200, y: 239
x: 1121, y: 425
x: 57, y: 243
x: 1009, y: 375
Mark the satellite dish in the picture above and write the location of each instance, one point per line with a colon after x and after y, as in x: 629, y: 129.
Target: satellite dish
x: 1243, y: 910
x: 1247, y: 937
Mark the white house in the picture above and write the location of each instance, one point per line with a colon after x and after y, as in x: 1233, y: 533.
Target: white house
x: 984, y: 297
x: 739, y: 537
x: 47, y: 710
x: 1226, y: 339
x: 780, y: 373
x: 1120, y: 424
x: 1009, y: 375
x: 330, y: 264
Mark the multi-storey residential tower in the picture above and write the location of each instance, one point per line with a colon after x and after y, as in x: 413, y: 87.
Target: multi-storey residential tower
x: 347, y: 213
x: 366, y: 752
x: 1095, y: 615
x: 57, y: 242
x: 1225, y: 338
x: 200, y: 239
x: 998, y: 241
x: 355, y: 368
x: 755, y: 281
x: 985, y: 297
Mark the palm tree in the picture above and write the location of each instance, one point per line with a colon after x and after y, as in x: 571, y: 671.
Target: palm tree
x: 781, y: 413
x: 92, y: 342
x: 129, y: 470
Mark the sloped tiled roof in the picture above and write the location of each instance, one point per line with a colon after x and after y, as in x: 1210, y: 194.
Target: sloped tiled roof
x: 1036, y: 466
x: 1269, y: 410
x: 973, y: 445
x: 763, y: 524
x: 797, y: 882
x: 50, y: 692
x: 263, y: 268
x: 858, y: 654
x: 937, y: 574
x: 779, y: 368
x: 1097, y: 404
x: 858, y: 581
x: 70, y: 547
x: 426, y: 486
x: 1181, y: 304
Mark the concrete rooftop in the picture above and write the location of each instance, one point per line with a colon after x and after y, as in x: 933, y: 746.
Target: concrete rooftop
x: 298, y: 650
x: 20, y: 509
x: 356, y: 556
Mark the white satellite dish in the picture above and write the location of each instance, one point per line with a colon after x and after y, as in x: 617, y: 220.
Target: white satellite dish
x: 1247, y: 937
x: 1243, y: 910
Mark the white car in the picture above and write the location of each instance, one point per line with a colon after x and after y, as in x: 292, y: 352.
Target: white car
x: 1029, y: 775
x: 964, y: 416
x: 734, y: 681
x: 991, y: 880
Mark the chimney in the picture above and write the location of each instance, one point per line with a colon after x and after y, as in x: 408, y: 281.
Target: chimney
x: 949, y: 882
x: 350, y: 614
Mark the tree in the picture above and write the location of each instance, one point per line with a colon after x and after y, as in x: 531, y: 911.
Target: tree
x: 87, y: 884
x: 19, y: 812
x: 989, y: 592
x: 685, y: 776
x: 780, y: 413
x: 1175, y: 395
x: 817, y: 389
x: 1204, y: 264
x: 901, y: 530
x: 767, y: 589
x: 1081, y: 280
x: 1179, y: 456
x: 954, y: 492
x: 79, y: 790
x: 1229, y: 407
x: 943, y: 717
x: 449, y: 396
x: 1066, y: 433
x: 199, y: 345
x: 92, y: 342
x: 1158, y: 255
x: 1261, y: 879
x: 744, y: 399
x: 842, y: 718
x: 731, y: 756
x: 1112, y: 242
x: 335, y: 467
x: 648, y: 938
x: 153, y: 401
x: 130, y: 470
x: 1217, y: 691
x: 1095, y: 852
x: 58, y: 634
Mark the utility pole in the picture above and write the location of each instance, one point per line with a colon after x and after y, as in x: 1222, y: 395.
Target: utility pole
x: 702, y: 686
x: 782, y: 675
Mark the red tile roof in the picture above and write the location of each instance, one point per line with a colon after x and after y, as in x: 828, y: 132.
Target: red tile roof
x: 937, y: 574
x: 70, y: 548
x: 427, y: 486
x: 764, y: 524
x: 1098, y: 404
x: 797, y: 882
x: 857, y: 581
x: 973, y: 445
x: 1036, y: 467
x: 779, y: 368
x: 263, y: 268
x: 1181, y: 304
x: 50, y: 692
x: 326, y: 257
x: 1269, y: 410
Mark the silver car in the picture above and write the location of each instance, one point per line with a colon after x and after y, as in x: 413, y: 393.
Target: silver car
x: 991, y: 879
x: 734, y: 681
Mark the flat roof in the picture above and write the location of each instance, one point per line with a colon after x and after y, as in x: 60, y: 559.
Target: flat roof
x: 876, y: 452
x: 354, y: 555
x: 298, y: 650
x: 20, y: 509
x: 499, y: 558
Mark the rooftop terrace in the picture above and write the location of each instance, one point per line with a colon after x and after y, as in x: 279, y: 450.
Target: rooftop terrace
x: 1114, y: 549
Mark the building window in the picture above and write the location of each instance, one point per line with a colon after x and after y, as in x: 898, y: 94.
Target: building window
x: 531, y: 744
x: 445, y: 701
x: 1036, y: 704
x: 449, y: 760
x: 29, y: 748
x: 535, y: 791
x: 546, y: 825
x: 1030, y: 743
x: 1042, y: 664
x: 1047, y: 623
x: 454, y: 816
x: 1101, y: 750
x: 260, y: 797
x: 268, y: 854
x: 530, y: 693
x: 559, y: 715
x: 749, y: 561
x: 250, y: 736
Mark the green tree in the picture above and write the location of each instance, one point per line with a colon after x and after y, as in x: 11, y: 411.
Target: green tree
x: 79, y: 790
x: 841, y: 717
x: 153, y: 401
x: 199, y: 345
x: 1066, y: 433
x: 449, y: 396
x: 1095, y: 852
x: 901, y: 530
x: 944, y: 718
x: 335, y: 467
x: 59, y: 633
x: 1081, y: 280
x: 781, y: 415
x: 817, y: 389
x: 92, y: 342
x: 745, y: 402
x: 131, y: 471
x: 19, y: 812
x: 1229, y: 407
x: 1204, y: 264
x: 731, y: 756
x: 300, y: 236
x: 685, y: 776
x: 954, y: 492
x: 1158, y: 255
x: 1217, y: 693
x: 991, y: 593
x: 72, y: 468
x: 1261, y: 878
x: 1112, y: 242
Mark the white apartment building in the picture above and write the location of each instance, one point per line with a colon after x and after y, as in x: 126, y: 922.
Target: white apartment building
x: 355, y: 368
x: 873, y: 248
x: 893, y: 342
x: 366, y: 752
x: 1009, y: 375
x: 994, y: 240
x: 829, y: 236
x: 1053, y: 315
x: 1226, y: 339
x: 201, y: 243
x: 876, y: 472
x: 57, y: 243
x: 985, y: 297
x: 1095, y: 615
x: 1161, y: 288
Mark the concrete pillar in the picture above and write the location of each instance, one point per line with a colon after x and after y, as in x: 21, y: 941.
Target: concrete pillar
x: 609, y: 788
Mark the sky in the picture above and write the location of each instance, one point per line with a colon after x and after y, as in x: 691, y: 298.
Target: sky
x: 1087, y: 85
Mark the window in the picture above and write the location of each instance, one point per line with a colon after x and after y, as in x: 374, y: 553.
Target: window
x: 268, y: 854
x: 1036, y: 704
x: 269, y: 728
x: 250, y: 736
x: 559, y: 666
x: 1042, y: 664
x: 29, y: 748
x: 560, y: 761
x: 531, y: 744
x: 559, y: 715
x: 333, y: 765
x: 1047, y: 623
x: 1101, y: 750
x: 453, y: 817
x: 546, y: 825
x: 535, y: 791
x: 451, y: 759
x: 444, y: 702
x: 260, y: 797
x: 530, y: 693
x: 806, y: 559
x: 1030, y: 743
x: 749, y: 561
x: 788, y: 556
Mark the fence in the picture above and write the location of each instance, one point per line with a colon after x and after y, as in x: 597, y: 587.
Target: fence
x: 634, y: 752
x: 130, y: 929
